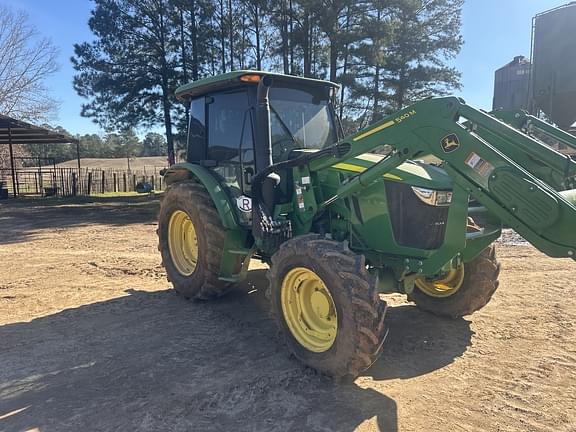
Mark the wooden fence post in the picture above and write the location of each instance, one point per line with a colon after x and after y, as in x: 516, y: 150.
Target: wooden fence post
x: 103, y: 182
x: 74, y: 184
x: 89, y: 186
x: 115, y: 182
x: 62, y: 182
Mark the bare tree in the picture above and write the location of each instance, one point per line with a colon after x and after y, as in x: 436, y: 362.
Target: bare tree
x: 26, y: 61
x: 19, y: 151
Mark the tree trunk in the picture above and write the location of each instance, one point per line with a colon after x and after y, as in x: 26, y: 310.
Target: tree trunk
x: 183, y: 54
x: 284, y: 35
x: 306, y: 47
x: 333, y: 60
x: 257, y: 36
x: 344, y: 67
x: 242, y: 47
x: 222, y: 43
x: 231, y: 33
x: 213, y: 58
x: 183, y: 47
x: 375, y: 106
x: 166, y: 105
x: 291, y: 35
x: 401, y: 91
x: 343, y: 88
x: 313, y: 55
x: 194, y: 37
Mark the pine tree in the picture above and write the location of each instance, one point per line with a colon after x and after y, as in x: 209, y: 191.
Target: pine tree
x: 384, y: 53
x: 129, y: 72
x: 424, y: 38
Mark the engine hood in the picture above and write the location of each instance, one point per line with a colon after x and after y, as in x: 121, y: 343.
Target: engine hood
x: 415, y: 173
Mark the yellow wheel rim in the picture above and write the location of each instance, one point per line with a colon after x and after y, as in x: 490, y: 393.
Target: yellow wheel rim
x: 183, y: 243
x: 309, y: 309
x: 443, y: 287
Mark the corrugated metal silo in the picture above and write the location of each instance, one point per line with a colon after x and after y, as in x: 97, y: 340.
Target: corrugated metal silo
x: 512, y: 84
x: 554, y: 64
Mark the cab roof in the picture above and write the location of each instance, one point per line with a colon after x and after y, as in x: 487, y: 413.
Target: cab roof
x: 230, y: 79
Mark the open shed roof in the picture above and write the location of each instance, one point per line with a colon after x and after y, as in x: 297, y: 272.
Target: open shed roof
x: 14, y: 131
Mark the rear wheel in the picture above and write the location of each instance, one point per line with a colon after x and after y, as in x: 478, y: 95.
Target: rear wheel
x: 191, y: 241
x: 461, y: 291
x: 327, y: 305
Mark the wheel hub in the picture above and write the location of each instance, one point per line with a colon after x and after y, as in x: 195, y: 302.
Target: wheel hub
x: 320, y: 304
x: 444, y: 286
x: 309, y: 310
x: 183, y: 242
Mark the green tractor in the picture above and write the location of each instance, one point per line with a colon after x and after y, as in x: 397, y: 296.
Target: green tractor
x: 270, y: 176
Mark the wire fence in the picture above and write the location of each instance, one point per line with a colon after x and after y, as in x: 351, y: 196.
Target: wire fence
x: 66, y: 182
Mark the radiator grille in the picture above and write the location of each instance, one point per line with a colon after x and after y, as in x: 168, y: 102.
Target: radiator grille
x: 415, y: 223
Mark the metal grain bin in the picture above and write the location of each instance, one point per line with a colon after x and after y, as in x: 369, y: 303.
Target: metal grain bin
x: 512, y: 84
x: 554, y: 64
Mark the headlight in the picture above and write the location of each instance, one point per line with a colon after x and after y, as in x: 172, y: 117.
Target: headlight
x: 433, y: 197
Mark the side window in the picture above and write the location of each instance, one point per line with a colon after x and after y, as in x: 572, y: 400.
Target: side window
x: 197, y: 131
x: 226, y: 115
x: 230, y: 139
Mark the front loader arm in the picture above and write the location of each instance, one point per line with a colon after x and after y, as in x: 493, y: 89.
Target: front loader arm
x: 544, y: 133
x: 520, y: 195
x: 531, y: 125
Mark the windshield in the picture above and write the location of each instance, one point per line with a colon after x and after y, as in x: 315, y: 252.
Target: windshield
x: 300, y: 119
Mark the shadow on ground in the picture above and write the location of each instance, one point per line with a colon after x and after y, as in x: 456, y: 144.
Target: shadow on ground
x: 152, y: 361
x: 22, y: 218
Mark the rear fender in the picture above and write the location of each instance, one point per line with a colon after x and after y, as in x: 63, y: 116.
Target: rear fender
x: 187, y: 171
x: 237, y: 251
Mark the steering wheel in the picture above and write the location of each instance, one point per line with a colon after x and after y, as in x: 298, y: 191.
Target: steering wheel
x: 281, y: 149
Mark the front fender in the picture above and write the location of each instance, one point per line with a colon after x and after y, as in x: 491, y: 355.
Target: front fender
x: 186, y: 171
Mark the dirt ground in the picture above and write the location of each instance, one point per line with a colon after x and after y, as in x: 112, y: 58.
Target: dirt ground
x: 92, y: 338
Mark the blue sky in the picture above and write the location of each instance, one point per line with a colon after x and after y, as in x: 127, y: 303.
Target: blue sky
x: 494, y: 32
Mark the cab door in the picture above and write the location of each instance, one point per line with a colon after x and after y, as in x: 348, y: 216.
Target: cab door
x: 230, y: 139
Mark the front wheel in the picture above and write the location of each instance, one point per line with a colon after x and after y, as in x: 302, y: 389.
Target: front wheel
x: 327, y: 305
x: 461, y: 291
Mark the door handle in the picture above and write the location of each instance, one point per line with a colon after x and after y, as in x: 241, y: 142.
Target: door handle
x: 248, y: 173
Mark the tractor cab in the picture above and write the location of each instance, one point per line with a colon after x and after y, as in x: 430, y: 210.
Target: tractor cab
x: 225, y: 123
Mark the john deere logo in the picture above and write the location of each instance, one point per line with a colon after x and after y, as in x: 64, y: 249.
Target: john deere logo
x: 450, y: 143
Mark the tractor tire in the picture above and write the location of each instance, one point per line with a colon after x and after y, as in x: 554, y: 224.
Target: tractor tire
x: 191, y: 241
x: 477, y: 287
x: 340, y: 333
